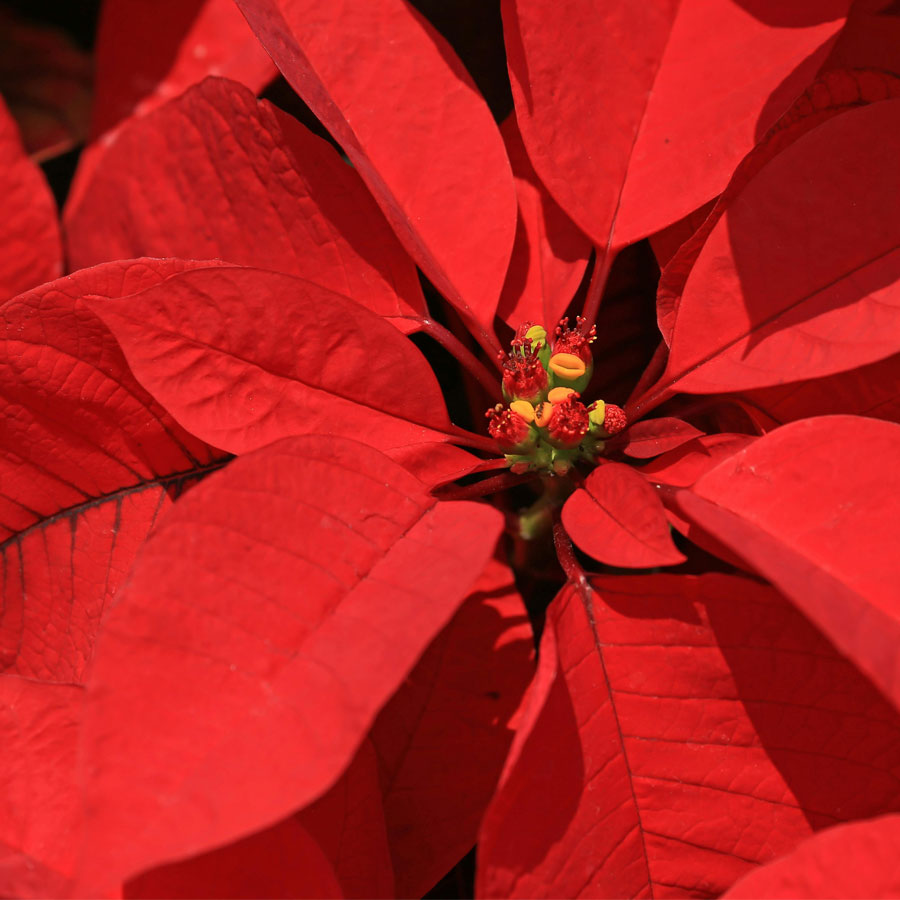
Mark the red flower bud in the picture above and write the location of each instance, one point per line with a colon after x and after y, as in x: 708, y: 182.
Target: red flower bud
x: 575, y: 340
x: 508, y: 428
x: 524, y: 377
x: 615, y: 419
x: 569, y: 422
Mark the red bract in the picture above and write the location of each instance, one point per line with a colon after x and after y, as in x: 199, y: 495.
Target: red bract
x: 29, y: 233
x: 213, y: 344
x: 310, y: 675
x: 290, y: 205
x: 90, y: 461
x: 147, y: 54
x: 633, y: 118
x: 437, y: 165
x: 702, y: 721
x: 857, y: 860
x: 296, y: 591
x: 46, y: 81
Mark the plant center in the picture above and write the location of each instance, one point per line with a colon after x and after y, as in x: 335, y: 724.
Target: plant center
x: 545, y: 426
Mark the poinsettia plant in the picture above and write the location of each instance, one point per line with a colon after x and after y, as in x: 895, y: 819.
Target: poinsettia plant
x: 392, y: 474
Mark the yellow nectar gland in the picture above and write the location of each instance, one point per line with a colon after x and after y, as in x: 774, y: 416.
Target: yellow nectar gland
x: 542, y: 414
x: 567, y: 365
x: 557, y: 395
x: 524, y: 409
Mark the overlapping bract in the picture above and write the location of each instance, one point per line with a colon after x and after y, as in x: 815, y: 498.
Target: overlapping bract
x: 308, y: 657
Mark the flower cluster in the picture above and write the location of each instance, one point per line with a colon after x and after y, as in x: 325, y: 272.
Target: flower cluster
x: 546, y: 427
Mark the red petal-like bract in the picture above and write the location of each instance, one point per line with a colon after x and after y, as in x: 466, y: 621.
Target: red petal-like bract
x: 282, y: 861
x: 394, y: 95
x: 799, y: 507
x: 869, y: 39
x: 872, y: 390
x: 349, y: 824
x: 337, y: 847
x: 650, y: 437
x: 148, y: 53
x: 798, y: 279
x: 680, y: 730
x: 618, y: 518
x: 832, y: 93
x: 434, y: 464
x: 442, y: 740
x: 550, y: 252
x: 242, y: 357
x: 633, y: 116
x: 857, y: 861
x: 272, y: 614
x: 30, y: 248
x: 217, y: 174
x: 88, y: 462
x: 447, y: 727
x: 78, y: 427
x: 45, y: 79
x: 682, y: 466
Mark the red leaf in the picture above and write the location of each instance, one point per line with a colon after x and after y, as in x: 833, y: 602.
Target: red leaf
x: 78, y: 426
x: 287, y: 598
x: 434, y: 464
x: 667, y: 242
x: 38, y: 797
x: 650, y: 437
x: 550, y: 253
x: 349, y: 824
x: 834, y: 92
x: 869, y: 39
x: 88, y: 462
x: 442, y: 740
x: 447, y: 726
x: 681, y: 729
x: 243, y: 357
x: 335, y: 848
x: 149, y: 53
x: 217, y: 174
x: 772, y: 298
x: 394, y: 95
x: 633, y: 117
x: 45, y: 79
x: 798, y: 506
x: 282, y: 861
x: 29, y: 233
x: 855, y: 861
x: 682, y: 466
x: 618, y: 518
x: 872, y: 390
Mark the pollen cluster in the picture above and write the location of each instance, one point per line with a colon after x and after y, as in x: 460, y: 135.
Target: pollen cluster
x: 545, y: 426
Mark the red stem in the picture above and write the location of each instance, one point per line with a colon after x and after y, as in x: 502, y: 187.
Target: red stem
x: 485, y: 465
x: 650, y: 376
x: 565, y: 553
x: 477, y: 369
x: 483, y: 488
x: 489, y: 344
x: 649, y: 401
x: 470, y: 439
x: 602, y: 264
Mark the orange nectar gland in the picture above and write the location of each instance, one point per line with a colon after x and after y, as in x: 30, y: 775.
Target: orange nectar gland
x: 546, y: 427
